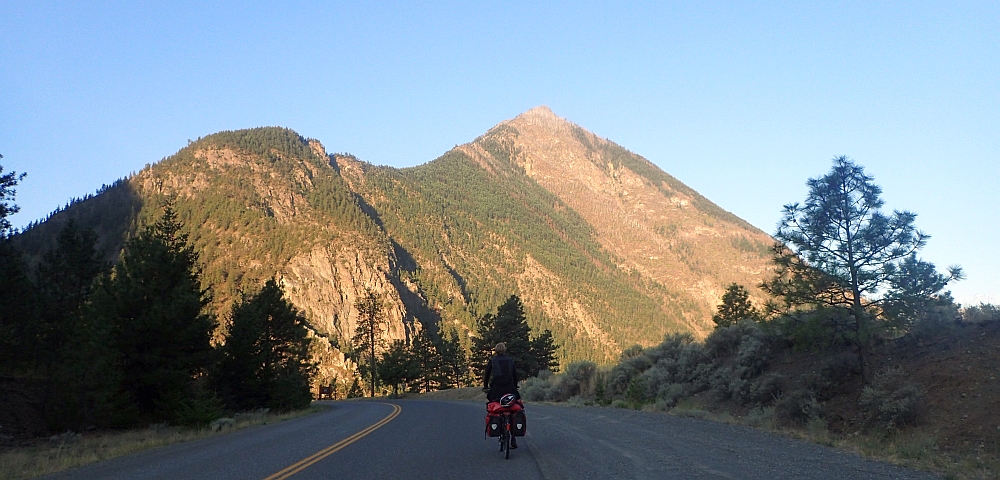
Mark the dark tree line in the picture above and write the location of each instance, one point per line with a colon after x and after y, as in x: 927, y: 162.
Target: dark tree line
x: 130, y: 344
x: 423, y: 363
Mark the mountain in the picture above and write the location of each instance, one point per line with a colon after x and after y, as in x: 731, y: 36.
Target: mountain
x: 605, y: 249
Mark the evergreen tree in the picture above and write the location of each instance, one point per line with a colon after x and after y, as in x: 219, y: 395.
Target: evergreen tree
x: 18, y: 332
x: 454, y: 362
x: 735, y: 306
x: 428, y: 360
x: 510, y: 326
x: 265, y: 359
x: 843, y: 253
x: 7, y: 192
x: 18, y: 336
x: 398, y: 366
x: 543, y: 348
x: 367, y: 339
x: 155, y: 308
x: 65, y: 278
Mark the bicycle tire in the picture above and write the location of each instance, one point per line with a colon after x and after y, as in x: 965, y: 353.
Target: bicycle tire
x: 506, y: 437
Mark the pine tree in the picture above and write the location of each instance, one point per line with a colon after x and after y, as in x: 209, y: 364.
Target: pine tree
x: 367, y: 339
x: 428, y: 361
x: 510, y: 326
x: 66, y: 277
x: 17, y: 332
x: 398, y: 366
x: 454, y: 362
x: 543, y: 348
x: 265, y: 359
x: 735, y: 306
x: 843, y: 254
x: 155, y: 307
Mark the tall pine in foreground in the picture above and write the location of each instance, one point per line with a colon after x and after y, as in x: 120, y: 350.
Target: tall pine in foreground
x: 154, y: 308
x: 841, y: 253
x: 265, y: 360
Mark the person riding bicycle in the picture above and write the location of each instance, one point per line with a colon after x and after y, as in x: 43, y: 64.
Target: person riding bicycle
x: 501, y: 378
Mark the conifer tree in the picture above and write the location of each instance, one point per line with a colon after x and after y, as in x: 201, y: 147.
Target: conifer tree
x: 735, y: 306
x: 265, y: 360
x: 17, y: 334
x: 65, y: 278
x: 154, y: 305
x: 428, y: 361
x: 843, y: 254
x: 398, y: 366
x: 454, y: 362
x: 543, y: 348
x: 510, y: 326
x: 367, y: 339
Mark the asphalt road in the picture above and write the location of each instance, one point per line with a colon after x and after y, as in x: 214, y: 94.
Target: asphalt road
x: 418, y: 439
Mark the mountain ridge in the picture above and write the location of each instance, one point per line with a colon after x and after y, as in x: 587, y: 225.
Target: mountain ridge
x: 606, y: 249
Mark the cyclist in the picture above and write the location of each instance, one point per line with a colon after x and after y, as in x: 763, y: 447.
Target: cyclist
x: 501, y: 378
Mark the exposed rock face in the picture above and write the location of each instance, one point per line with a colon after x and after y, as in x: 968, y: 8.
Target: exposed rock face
x: 326, y: 286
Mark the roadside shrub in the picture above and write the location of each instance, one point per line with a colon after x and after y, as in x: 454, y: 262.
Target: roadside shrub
x: 798, y: 406
x: 535, y: 389
x: 890, y: 401
x: 636, y: 394
x: 632, y: 352
x: 982, y: 313
x: 622, y: 374
x: 766, y: 389
x: 760, y: 417
x: 753, y: 355
x: 725, y: 341
x: 579, y: 380
x: 671, y: 347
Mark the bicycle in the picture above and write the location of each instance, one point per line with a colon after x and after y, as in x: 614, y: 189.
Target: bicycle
x: 502, y: 414
x: 505, y: 435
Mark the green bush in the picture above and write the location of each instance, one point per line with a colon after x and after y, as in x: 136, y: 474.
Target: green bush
x: 621, y: 375
x: 766, y: 389
x: 890, y: 401
x: 579, y: 380
x: 798, y: 406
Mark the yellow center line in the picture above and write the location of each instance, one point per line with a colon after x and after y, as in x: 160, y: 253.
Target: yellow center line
x: 305, y: 463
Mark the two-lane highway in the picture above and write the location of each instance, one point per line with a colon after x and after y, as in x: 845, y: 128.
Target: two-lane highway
x: 416, y: 439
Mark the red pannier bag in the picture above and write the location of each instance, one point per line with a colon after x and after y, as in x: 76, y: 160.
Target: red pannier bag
x: 494, y: 408
x: 493, y: 425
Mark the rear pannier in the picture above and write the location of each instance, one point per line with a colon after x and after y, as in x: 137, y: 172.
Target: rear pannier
x: 518, y: 424
x: 493, y: 425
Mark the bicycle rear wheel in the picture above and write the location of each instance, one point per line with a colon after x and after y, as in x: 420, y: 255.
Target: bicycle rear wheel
x: 506, y: 437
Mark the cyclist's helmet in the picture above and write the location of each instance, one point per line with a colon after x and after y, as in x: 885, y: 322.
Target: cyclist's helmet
x: 507, y: 400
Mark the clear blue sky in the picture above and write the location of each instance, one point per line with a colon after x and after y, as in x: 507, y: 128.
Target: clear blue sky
x: 743, y: 101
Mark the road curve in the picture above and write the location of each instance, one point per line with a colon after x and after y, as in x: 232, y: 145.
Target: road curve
x: 444, y: 440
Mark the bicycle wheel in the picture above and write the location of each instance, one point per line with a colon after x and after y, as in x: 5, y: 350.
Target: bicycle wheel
x: 506, y: 437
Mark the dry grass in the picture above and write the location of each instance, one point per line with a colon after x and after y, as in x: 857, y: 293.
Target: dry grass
x: 464, y: 393
x: 912, y: 449
x: 69, y: 450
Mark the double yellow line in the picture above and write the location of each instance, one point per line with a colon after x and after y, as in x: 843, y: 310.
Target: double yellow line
x: 326, y: 452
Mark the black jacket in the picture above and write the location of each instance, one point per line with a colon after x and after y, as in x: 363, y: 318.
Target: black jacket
x: 500, y: 378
